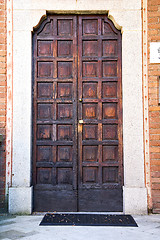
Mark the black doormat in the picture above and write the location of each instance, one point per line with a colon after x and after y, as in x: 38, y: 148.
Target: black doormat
x: 88, y: 220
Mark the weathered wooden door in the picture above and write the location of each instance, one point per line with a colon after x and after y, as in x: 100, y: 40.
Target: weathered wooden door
x: 77, y: 114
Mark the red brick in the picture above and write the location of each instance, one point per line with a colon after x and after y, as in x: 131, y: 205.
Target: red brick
x: 2, y: 124
x: 153, y: 32
x: 2, y: 113
x: 155, y: 119
x: 2, y: 13
x: 152, y: 8
x: 154, y: 72
x: 153, y: 38
x: 155, y: 168
x: 2, y: 70
x: 2, y: 24
x: 155, y: 143
x: 152, y: 78
x: 2, y: 89
x: 2, y: 95
x: 155, y: 175
x: 154, y: 149
x: 153, y: 14
x: 153, y: 26
x: 152, y: 97
x: 2, y: 47
x: 155, y: 180
x: 153, y: 2
x: 155, y: 162
x: 2, y: 18
x: 154, y: 137
x: 156, y: 193
x: 3, y: 52
x: 3, y: 59
x: 153, y: 102
x: 156, y: 204
x: 154, y: 125
x: 154, y: 114
x: 2, y: 78
x: 154, y: 131
x: 155, y: 155
x: 154, y: 110
x: 156, y: 186
x: 2, y: 106
x: 153, y: 20
x: 153, y: 90
x: 2, y: 64
x: 153, y: 84
x: 3, y: 40
x: 2, y: 6
x: 2, y: 119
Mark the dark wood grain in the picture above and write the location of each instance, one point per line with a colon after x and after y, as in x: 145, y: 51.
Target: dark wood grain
x: 100, y: 142
x: 55, y: 115
x: 77, y: 166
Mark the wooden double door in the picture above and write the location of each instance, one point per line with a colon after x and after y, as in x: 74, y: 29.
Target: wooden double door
x: 77, y: 114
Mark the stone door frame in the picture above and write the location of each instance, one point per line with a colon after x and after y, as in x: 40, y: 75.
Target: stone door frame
x: 26, y: 15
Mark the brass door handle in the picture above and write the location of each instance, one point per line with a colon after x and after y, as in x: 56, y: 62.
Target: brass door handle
x: 80, y: 100
x: 80, y: 121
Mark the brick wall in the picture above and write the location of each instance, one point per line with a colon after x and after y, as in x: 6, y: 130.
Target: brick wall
x: 2, y: 100
x: 154, y: 107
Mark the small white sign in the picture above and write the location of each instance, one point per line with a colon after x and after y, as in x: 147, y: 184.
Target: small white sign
x: 155, y: 52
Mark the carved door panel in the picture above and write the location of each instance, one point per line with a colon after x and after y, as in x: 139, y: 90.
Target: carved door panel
x: 55, y: 116
x: 77, y: 109
x: 100, y: 133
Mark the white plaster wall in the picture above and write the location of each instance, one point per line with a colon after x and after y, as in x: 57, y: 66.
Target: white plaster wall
x: 26, y: 15
x: 21, y: 108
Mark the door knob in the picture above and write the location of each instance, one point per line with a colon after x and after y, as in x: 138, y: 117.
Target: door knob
x: 80, y: 121
x: 80, y: 100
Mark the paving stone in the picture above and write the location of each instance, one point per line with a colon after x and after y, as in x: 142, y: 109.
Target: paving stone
x: 13, y: 234
x: 27, y: 228
x: 6, y: 223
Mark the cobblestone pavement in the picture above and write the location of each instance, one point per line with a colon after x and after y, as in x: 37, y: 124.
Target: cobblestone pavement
x: 27, y: 228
